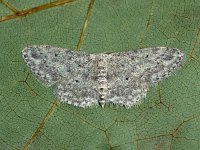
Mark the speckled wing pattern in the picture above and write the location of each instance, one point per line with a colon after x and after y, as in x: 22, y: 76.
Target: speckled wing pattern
x: 71, y: 73
x: 85, y: 80
x: 131, y: 73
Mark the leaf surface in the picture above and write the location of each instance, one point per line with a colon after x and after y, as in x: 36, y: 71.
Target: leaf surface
x: 32, y: 118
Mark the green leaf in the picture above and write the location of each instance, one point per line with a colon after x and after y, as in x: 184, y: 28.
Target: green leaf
x: 32, y: 118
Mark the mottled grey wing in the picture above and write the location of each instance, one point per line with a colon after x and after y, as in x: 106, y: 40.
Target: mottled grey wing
x: 131, y: 73
x: 126, y: 90
x: 72, y: 73
x: 79, y: 91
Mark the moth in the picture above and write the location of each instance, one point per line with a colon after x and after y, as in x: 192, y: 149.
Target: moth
x: 84, y: 80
